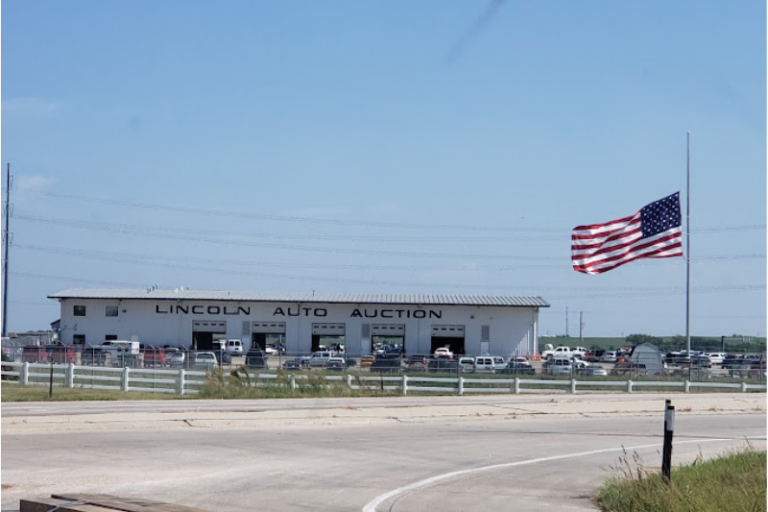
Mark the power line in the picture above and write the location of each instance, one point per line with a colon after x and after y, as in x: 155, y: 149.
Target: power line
x: 140, y: 258
x: 340, y: 222
x: 282, y: 236
x: 332, y: 250
x: 286, y: 218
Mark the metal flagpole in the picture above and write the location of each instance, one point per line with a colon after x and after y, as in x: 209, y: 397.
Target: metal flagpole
x: 688, y: 246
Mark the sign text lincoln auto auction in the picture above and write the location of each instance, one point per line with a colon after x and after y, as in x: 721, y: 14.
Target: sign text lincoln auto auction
x: 297, y: 311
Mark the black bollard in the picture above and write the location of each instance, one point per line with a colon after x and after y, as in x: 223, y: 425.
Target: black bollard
x: 669, y: 428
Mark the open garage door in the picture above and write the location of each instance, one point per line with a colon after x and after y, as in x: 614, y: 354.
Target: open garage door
x: 327, y: 335
x: 451, y: 336
x: 205, y: 332
x: 267, y: 333
x: 388, y: 337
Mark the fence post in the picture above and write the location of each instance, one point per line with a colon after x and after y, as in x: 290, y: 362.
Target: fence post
x: 460, y: 390
x: 517, y: 385
x: 25, y: 374
x: 124, y: 383
x: 573, y: 386
x: 687, y: 386
x: 292, y: 379
x: 405, y: 385
x: 629, y: 386
x: 349, y: 381
x: 743, y: 387
x: 180, y: 388
x: 71, y: 375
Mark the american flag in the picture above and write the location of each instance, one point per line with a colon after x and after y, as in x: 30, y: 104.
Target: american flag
x: 653, y: 232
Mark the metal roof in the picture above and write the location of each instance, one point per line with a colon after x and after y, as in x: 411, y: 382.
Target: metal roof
x: 324, y: 298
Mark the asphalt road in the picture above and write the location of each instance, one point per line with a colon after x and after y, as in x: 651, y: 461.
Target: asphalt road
x: 452, y: 455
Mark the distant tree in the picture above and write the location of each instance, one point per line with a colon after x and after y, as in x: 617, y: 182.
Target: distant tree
x: 637, y: 339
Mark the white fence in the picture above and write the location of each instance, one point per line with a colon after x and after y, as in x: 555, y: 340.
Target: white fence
x: 186, y: 382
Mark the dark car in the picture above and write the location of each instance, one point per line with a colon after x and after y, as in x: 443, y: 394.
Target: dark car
x: 443, y: 365
x: 296, y: 364
x: 256, y: 359
x: 336, y: 364
x: 417, y: 362
x: 386, y: 363
x: 516, y: 368
x: 732, y: 362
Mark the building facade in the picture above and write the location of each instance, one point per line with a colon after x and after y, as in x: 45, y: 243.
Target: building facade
x: 496, y: 325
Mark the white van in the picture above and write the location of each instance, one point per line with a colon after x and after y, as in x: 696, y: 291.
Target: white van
x: 235, y: 347
x: 489, y: 364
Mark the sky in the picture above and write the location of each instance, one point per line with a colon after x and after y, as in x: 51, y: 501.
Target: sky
x: 432, y: 147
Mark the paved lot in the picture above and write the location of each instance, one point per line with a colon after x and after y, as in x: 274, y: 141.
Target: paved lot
x: 403, y: 454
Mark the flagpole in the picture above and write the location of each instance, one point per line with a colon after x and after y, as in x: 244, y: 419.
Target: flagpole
x: 688, y: 246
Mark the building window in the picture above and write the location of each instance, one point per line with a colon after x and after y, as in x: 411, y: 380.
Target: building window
x: 110, y: 337
x: 79, y: 310
x: 78, y: 339
x: 111, y: 310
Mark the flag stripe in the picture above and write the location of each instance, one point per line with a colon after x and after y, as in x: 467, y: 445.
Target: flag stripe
x: 676, y: 250
x: 639, y: 243
x: 641, y: 249
x: 655, y: 231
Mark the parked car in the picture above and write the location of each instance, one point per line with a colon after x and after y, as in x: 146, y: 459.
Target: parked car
x: 579, y: 352
x: 547, y: 351
x: 386, y: 363
x: 235, y: 347
x: 593, y: 370
x: 561, y: 352
x: 271, y: 350
x: 518, y: 368
x: 593, y: 356
x: 417, y: 362
x: 609, y: 356
x: 319, y: 359
x: 443, y: 352
x: 716, y: 357
x: 154, y: 357
x: 560, y: 366
x: 296, y: 364
x: 701, y: 361
x: 489, y: 364
x: 443, y: 364
x: 175, y: 358
x: 467, y: 363
x: 732, y: 362
x: 629, y: 369
x: 204, y: 361
x: 517, y: 359
x: 336, y: 364
x: 256, y: 359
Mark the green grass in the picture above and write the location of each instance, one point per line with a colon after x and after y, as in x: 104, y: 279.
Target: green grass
x: 733, y: 482
x: 17, y: 393
x: 238, y: 383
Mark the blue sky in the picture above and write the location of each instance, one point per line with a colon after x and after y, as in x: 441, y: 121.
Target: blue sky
x: 387, y: 147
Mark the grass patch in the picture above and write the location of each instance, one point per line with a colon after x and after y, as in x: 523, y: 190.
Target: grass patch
x: 238, y: 383
x: 732, y: 482
x: 17, y: 393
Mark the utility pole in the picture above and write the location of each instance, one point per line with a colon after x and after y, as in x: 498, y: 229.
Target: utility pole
x: 581, y: 328
x: 6, y: 239
x: 566, y: 322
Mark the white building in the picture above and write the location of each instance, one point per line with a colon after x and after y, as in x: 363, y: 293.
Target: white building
x: 497, y: 325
